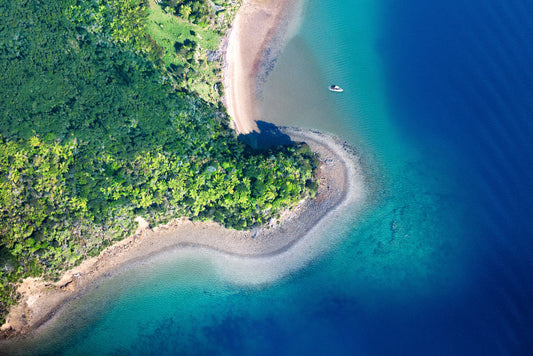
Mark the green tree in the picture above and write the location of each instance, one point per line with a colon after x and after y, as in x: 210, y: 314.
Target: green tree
x: 185, y: 11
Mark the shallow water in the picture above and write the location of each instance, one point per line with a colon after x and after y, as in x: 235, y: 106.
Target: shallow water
x: 438, y: 101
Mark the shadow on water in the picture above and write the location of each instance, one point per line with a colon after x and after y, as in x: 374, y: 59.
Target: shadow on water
x: 269, y: 136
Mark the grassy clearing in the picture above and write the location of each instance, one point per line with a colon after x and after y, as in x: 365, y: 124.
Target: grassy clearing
x: 185, y: 46
x: 167, y: 29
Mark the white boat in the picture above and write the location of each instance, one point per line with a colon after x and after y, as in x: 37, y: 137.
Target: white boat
x: 336, y: 88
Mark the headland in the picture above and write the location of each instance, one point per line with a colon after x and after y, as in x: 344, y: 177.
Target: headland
x: 339, y: 175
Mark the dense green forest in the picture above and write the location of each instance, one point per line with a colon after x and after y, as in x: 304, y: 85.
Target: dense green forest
x: 97, y: 126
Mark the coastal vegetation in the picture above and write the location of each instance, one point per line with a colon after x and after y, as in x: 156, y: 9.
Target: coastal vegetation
x: 110, y: 109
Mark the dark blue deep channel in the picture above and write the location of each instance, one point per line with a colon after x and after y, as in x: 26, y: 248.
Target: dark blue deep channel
x: 460, y: 76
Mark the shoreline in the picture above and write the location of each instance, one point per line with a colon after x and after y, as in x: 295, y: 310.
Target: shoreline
x: 247, y: 58
x: 340, y: 185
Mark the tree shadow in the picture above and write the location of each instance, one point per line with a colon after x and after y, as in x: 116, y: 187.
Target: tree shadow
x: 269, y: 136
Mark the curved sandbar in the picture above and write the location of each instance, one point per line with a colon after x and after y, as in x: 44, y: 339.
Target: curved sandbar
x: 341, y: 185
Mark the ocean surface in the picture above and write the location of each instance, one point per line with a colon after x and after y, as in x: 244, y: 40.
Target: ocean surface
x: 438, y: 102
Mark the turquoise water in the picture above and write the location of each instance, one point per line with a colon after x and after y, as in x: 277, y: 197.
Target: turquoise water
x: 414, y: 224
x: 437, y: 102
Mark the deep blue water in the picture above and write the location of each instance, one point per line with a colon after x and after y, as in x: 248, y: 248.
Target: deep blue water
x: 439, y: 102
x: 460, y: 75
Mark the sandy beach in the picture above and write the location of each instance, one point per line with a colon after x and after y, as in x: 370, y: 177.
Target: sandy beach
x: 339, y: 174
x: 255, y: 38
